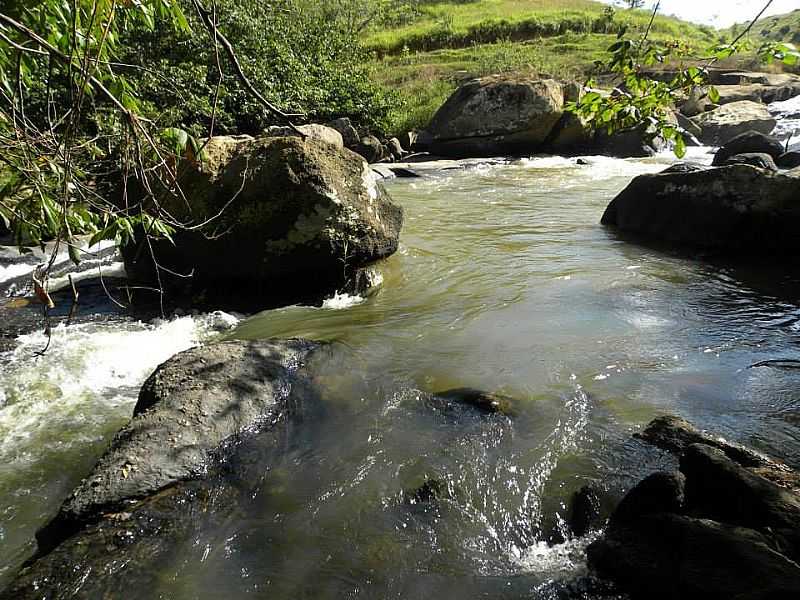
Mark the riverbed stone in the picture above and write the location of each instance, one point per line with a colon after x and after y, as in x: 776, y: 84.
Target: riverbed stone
x: 345, y: 128
x: 789, y: 160
x: 748, y: 142
x: 287, y: 220
x: 497, y: 115
x: 760, y: 160
x: 371, y: 149
x: 721, y: 125
x: 187, y: 409
x: 735, y: 209
x: 717, y: 529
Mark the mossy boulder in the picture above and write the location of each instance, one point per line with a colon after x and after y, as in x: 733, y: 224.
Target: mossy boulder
x: 281, y: 220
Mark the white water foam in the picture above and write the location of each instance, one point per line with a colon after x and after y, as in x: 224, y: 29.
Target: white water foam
x: 565, y: 559
x: 90, y: 372
x: 342, y: 301
x: 788, y: 115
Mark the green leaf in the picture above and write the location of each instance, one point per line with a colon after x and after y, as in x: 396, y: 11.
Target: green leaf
x: 713, y: 94
x: 74, y: 254
x: 680, y: 147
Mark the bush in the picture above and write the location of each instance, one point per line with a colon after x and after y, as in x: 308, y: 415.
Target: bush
x: 295, y: 58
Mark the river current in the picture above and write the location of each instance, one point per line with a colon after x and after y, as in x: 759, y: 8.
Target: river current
x: 504, y: 281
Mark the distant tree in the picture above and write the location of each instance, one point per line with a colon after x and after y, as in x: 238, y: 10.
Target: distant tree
x: 632, y: 3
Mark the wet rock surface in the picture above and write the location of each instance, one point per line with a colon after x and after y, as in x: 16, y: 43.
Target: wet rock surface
x: 719, y: 528
x: 186, y: 410
x: 734, y: 210
x: 749, y: 142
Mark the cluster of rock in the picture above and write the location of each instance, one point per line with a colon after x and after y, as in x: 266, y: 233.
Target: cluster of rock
x: 725, y: 525
x: 372, y: 148
x: 746, y: 205
x: 274, y: 220
x: 741, y: 105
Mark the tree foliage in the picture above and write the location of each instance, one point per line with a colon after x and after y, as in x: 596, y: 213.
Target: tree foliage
x: 638, y: 98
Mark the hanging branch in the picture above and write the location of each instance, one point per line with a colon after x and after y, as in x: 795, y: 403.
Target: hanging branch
x: 218, y: 37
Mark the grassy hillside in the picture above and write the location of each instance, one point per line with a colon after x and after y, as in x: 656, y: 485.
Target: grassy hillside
x: 781, y: 28
x: 454, y: 40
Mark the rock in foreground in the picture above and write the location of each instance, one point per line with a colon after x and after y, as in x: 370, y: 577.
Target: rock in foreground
x: 286, y: 220
x: 716, y: 530
x: 186, y: 409
x: 735, y: 209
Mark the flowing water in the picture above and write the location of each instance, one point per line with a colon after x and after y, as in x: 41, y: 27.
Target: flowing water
x: 505, y: 281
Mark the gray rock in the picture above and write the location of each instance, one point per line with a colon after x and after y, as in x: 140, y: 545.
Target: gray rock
x: 294, y: 219
x: 692, y: 128
x: 317, y: 132
x: 484, y: 401
x: 730, y: 120
x: 345, y: 128
x: 497, y: 115
x: 754, y: 159
x: 371, y: 149
x: 666, y: 556
x: 187, y: 409
x: 396, y: 149
x: 718, y: 529
x: 789, y: 160
x: 720, y: 489
x: 675, y: 435
x: 697, y: 103
x: 734, y: 209
x: 585, y: 511
x: 749, y: 142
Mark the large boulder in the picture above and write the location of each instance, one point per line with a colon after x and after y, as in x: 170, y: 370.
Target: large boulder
x: 497, y: 115
x: 726, y: 122
x: 718, y: 529
x: 747, y: 142
x: 284, y: 220
x: 187, y: 408
x: 735, y: 209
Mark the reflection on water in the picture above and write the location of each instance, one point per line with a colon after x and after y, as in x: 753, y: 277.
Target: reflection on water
x: 506, y: 282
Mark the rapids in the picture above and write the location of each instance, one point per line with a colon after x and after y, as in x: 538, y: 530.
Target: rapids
x: 505, y: 281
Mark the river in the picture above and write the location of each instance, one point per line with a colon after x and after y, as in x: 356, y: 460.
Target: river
x: 505, y: 281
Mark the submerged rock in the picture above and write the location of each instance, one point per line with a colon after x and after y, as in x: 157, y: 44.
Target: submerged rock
x: 734, y: 209
x: 484, y: 401
x: 287, y: 220
x: 187, y: 409
x: 717, y: 529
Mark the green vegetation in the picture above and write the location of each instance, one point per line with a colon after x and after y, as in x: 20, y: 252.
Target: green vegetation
x: 448, y: 42
x: 780, y: 28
